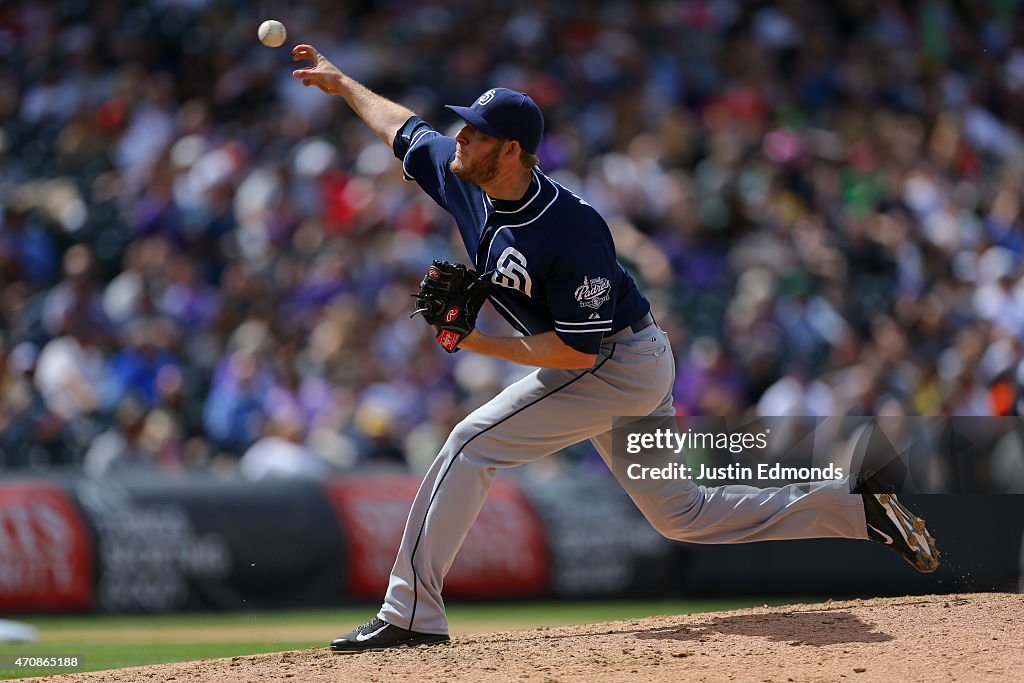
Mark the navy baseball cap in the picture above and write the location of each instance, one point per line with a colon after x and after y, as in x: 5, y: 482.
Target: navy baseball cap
x: 506, y: 113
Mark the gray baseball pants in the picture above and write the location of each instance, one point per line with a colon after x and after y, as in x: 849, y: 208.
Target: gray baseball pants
x: 551, y: 409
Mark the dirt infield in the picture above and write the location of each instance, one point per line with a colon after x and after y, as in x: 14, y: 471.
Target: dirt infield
x: 974, y: 637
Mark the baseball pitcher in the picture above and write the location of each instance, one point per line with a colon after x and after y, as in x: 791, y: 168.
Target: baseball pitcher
x: 545, y: 260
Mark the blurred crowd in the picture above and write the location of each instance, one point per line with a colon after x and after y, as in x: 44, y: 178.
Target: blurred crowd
x: 205, y: 266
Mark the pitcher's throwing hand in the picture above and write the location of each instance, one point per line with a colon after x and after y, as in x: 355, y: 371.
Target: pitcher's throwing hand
x: 322, y: 74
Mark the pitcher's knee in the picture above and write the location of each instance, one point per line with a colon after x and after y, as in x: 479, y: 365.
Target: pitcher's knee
x: 489, y: 445
x: 675, y: 525
x: 464, y: 434
x: 670, y: 530
x: 473, y: 440
x: 456, y: 439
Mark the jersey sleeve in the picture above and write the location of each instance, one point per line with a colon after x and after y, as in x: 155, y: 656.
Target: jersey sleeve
x: 425, y: 155
x: 580, y: 296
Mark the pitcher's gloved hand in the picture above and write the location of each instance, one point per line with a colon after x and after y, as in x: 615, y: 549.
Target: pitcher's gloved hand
x: 450, y: 298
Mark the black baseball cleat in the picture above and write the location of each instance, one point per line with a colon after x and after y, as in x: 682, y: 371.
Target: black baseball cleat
x: 892, y: 524
x: 378, y: 634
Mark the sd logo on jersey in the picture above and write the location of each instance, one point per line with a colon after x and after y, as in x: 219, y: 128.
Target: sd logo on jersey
x: 511, y: 272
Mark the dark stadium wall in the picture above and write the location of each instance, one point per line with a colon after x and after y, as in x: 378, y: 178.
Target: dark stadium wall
x: 155, y: 545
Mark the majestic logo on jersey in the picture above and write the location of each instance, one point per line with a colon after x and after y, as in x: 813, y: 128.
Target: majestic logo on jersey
x: 594, y: 292
x: 485, y: 98
x: 511, y: 271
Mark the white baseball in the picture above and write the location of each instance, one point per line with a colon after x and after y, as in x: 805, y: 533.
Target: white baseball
x: 272, y: 33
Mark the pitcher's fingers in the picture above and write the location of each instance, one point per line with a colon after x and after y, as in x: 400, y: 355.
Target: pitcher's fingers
x: 304, y: 52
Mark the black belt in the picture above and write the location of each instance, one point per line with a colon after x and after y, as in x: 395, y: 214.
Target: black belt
x: 643, y: 322
x: 640, y: 324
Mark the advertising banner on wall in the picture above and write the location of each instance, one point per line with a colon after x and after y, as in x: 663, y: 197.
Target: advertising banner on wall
x: 165, y: 546
x: 599, y: 542
x: 504, y: 554
x: 153, y: 545
x: 45, y: 550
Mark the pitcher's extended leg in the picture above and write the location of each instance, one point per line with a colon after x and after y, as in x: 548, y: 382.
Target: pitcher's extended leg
x: 684, y: 511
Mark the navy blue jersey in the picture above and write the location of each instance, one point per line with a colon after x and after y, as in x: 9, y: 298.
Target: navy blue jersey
x: 551, y: 253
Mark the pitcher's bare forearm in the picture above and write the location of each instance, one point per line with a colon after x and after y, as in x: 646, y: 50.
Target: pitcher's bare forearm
x: 383, y: 116
x: 543, y: 350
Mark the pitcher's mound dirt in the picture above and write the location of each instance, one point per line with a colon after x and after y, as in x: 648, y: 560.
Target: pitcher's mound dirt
x: 976, y: 637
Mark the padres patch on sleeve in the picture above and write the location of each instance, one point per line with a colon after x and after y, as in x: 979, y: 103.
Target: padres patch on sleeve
x: 594, y: 292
